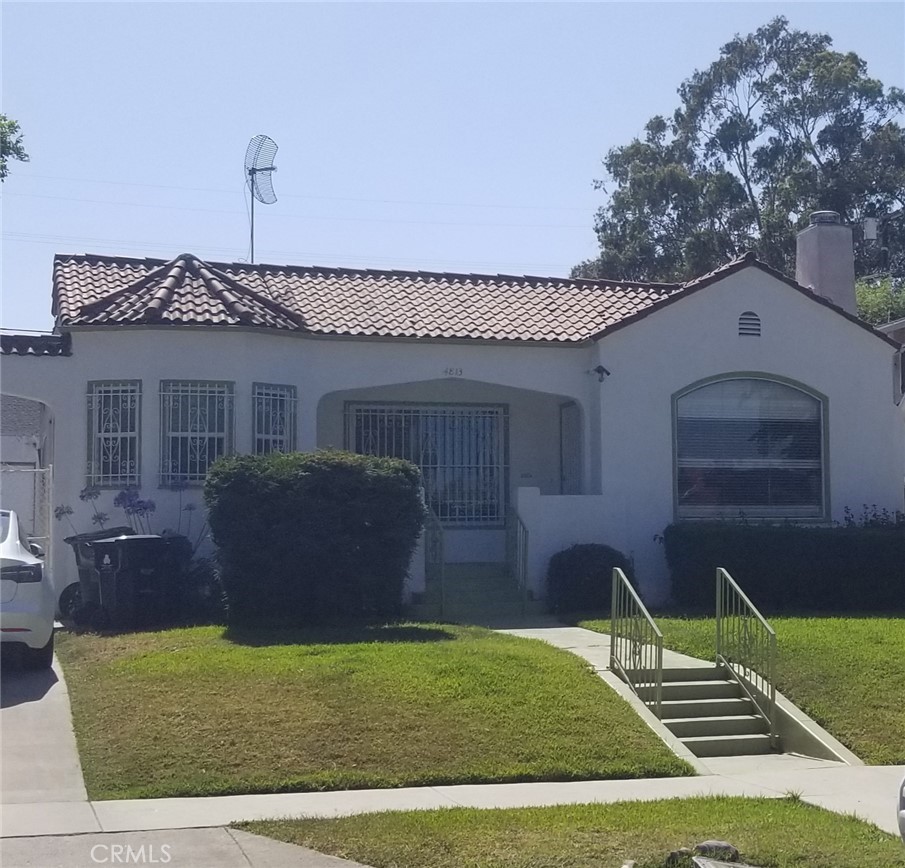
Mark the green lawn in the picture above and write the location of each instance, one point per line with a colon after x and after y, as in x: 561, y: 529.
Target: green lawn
x: 775, y: 833
x: 202, y: 711
x: 847, y: 673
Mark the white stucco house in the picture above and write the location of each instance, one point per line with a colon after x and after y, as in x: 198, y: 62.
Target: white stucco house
x: 597, y: 411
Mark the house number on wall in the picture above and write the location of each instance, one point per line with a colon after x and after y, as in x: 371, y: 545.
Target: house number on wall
x: 452, y: 372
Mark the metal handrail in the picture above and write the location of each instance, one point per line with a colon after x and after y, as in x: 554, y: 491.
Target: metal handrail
x: 434, y: 553
x: 636, y: 644
x: 746, y: 646
x: 517, y: 553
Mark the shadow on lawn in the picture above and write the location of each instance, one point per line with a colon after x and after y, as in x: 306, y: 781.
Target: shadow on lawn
x: 258, y: 637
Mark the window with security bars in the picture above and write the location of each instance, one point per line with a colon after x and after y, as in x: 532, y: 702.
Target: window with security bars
x: 196, y: 421
x: 749, y: 446
x: 274, y: 418
x: 460, y: 449
x: 114, y: 423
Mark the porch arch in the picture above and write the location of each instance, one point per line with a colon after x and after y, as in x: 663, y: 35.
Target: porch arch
x: 532, y: 453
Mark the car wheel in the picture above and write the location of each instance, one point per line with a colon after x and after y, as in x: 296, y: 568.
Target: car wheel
x: 39, y: 658
x: 70, y: 601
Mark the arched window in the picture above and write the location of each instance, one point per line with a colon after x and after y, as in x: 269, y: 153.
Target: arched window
x: 752, y: 446
x: 749, y: 324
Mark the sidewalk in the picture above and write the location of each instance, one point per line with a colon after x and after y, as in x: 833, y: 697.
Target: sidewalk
x: 185, y: 848
x: 868, y: 791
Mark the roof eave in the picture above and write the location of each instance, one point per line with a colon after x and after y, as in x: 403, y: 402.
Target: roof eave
x: 728, y: 270
x: 76, y: 328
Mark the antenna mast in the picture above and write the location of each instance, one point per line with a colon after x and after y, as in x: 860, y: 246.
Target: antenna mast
x: 259, y: 169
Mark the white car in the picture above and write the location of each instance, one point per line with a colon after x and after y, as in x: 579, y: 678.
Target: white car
x: 26, y: 595
x: 902, y: 809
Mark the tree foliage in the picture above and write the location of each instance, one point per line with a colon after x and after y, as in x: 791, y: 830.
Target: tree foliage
x: 779, y: 126
x: 880, y: 301
x: 11, y: 146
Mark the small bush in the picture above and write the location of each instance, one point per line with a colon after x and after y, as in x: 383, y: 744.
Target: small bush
x: 579, y: 579
x: 203, y: 600
x: 789, y: 568
x: 313, y: 537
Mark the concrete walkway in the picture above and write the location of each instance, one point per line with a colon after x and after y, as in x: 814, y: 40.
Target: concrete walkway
x: 868, y: 791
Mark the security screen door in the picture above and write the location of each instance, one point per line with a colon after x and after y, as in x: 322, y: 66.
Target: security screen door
x: 462, y: 451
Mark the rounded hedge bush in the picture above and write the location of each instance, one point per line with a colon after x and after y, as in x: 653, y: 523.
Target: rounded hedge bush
x: 313, y: 537
x: 580, y: 578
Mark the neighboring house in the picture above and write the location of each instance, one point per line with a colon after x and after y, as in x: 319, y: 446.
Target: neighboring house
x: 895, y: 330
x: 597, y: 410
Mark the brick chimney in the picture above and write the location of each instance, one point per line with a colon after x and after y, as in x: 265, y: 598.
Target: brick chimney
x: 825, y: 259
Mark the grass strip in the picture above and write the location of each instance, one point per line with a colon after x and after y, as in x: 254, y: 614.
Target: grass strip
x: 205, y: 711
x: 774, y: 833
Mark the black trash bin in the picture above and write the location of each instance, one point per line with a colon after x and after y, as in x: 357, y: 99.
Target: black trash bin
x: 139, y: 577
x: 84, y: 560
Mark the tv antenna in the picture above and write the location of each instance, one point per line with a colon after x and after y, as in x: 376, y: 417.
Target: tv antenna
x: 259, y: 169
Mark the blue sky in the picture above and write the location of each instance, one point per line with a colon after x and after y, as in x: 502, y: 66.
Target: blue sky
x: 445, y: 137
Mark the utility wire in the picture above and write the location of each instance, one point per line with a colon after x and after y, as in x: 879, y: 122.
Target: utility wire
x: 283, y: 214
x: 305, y: 196
x: 309, y: 256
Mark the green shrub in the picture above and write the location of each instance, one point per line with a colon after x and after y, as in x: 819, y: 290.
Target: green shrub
x: 580, y: 578
x: 788, y: 568
x: 313, y: 537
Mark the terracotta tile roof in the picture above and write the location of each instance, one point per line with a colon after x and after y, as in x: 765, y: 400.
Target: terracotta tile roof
x: 115, y: 290
x: 97, y: 290
x: 35, y: 345
x: 184, y: 290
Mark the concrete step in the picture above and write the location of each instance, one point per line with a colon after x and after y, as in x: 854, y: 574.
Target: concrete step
x: 728, y: 745
x: 696, y: 673
x: 680, y: 708
x: 475, y: 571
x: 695, y: 727
x: 691, y: 690
x: 462, y: 613
x: 688, y: 690
x: 475, y: 592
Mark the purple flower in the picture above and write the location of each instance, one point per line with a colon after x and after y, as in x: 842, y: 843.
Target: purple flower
x: 126, y: 498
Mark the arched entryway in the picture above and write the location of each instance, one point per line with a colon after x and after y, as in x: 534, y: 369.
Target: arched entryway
x: 476, y: 444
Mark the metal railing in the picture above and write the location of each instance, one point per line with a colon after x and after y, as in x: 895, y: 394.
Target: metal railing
x: 517, y: 553
x: 636, y: 644
x: 746, y: 646
x: 434, y: 554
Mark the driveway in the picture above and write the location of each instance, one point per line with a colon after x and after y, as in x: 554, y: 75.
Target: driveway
x: 40, y: 762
